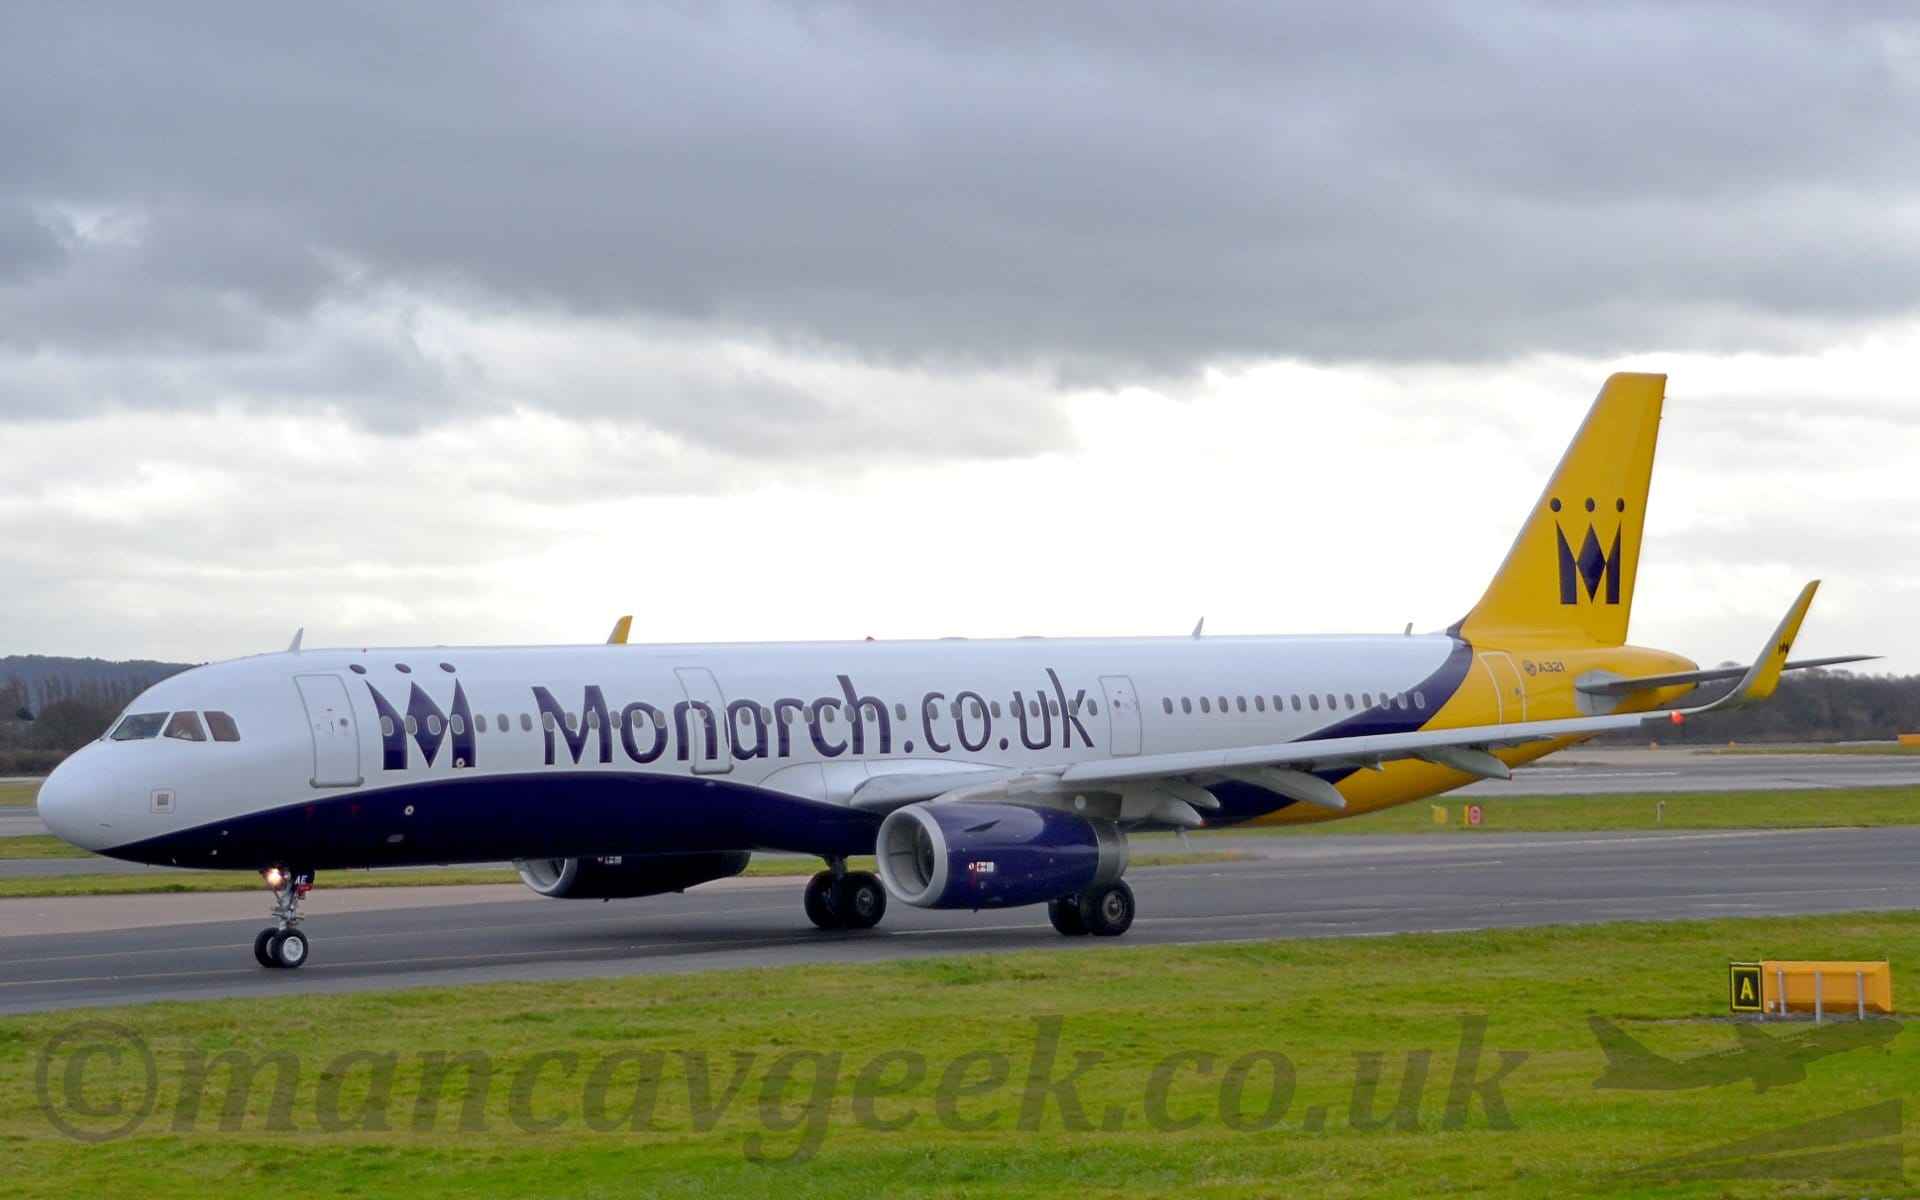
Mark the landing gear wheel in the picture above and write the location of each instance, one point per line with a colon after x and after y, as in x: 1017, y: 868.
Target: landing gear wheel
x: 1107, y: 911
x: 282, y: 945
x: 1065, y: 915
x: 822, y: 903
x: 861, y: 900
x: 288, y: 948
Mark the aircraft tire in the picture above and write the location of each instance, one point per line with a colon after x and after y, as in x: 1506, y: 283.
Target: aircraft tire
x: 862, y: 900
x: 289, y: 948
x: 262, y: 951
x: 1108, y: 911
x: 1065, y: 915
x: 821, y: 909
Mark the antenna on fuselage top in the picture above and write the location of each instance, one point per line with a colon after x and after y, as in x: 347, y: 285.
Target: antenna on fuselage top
x: 1197, y: 625
x: 293, y: 647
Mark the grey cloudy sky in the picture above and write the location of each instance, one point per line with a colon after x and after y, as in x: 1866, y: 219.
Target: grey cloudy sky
x: 490, y: 322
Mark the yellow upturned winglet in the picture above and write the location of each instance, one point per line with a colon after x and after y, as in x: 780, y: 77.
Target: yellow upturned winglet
x: 1570, y: 574
x: 621, y: 629
x: 1764, y: 675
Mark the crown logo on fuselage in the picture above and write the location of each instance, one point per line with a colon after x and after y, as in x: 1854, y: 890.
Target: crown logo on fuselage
x: 1596, y: 565
x: 425, y: 726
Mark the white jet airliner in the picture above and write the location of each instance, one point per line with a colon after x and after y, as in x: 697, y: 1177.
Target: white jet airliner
x: 982, y: 774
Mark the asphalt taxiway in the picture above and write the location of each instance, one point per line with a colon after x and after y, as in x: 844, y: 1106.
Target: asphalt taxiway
x: 60, y: 954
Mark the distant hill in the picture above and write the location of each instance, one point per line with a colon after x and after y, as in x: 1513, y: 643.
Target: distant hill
x: 35, y: 680
x: 50, y: 707
x: 1811, y: 706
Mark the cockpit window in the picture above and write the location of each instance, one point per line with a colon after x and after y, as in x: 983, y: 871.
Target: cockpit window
x: 185, y: 726
x: 138, y: 727
x: 222, y: 727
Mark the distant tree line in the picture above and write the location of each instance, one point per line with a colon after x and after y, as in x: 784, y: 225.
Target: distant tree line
x: 50, y: 707
x: 1819, y: 706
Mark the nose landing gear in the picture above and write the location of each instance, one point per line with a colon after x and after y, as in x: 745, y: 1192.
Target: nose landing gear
x: 283, y: 945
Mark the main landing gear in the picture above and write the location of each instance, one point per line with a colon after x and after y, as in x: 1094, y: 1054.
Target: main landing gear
x: 283, y: 945
x: 1102, y: 911
x: 841, y: 899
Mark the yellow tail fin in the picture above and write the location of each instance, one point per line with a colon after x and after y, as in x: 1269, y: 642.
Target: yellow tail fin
x: 1569, y: 577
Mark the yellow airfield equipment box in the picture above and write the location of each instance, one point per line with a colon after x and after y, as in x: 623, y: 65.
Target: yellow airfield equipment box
x: 1777, y: 987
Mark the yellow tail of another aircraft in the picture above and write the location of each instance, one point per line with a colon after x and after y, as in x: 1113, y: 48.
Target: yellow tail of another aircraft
x: 1569, y: 577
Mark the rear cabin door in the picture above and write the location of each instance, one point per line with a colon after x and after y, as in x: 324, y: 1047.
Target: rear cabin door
x: 336, y: 742
x: 1506, y: 685
x: 702, y: 726
x: 1123, y: 713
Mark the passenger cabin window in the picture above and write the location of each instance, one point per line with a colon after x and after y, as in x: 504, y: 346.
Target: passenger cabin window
x: 139, y: 727
x: 185, y: 727
x: 1167, y: 703
x: 222, y: 727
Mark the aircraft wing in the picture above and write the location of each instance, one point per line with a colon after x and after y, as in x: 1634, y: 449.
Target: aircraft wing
x: 1289, y: 768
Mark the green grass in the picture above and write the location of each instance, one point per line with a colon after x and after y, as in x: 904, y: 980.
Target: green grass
x: 18, y: 795
x: 44, y: 846
x: 1799, y: 809
x: 825, y: 1054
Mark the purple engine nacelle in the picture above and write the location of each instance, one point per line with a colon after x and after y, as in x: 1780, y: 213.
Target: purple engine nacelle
x: 622, y: 877
x: 963, y: 855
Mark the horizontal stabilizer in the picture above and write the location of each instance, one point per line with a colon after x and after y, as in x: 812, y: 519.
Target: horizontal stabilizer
x: 1623, y: 687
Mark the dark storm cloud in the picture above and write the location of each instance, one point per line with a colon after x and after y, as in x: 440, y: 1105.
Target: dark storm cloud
x: 1088, y: 189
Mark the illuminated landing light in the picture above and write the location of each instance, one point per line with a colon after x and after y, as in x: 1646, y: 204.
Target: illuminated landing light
x: 275, y: 877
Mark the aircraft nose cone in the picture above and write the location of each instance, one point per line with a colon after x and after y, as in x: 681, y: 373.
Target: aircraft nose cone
x: 76, y: 802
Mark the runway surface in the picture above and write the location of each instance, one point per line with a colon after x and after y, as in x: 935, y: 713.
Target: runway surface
x: 1615, y: 770
x: 58, y: 954
x: 20, y: 822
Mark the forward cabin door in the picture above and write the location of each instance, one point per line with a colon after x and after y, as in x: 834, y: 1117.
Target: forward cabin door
x: 1123, y: 713
x: 336, y: 742
x: 1506, y: 685
x: 706, y: 734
